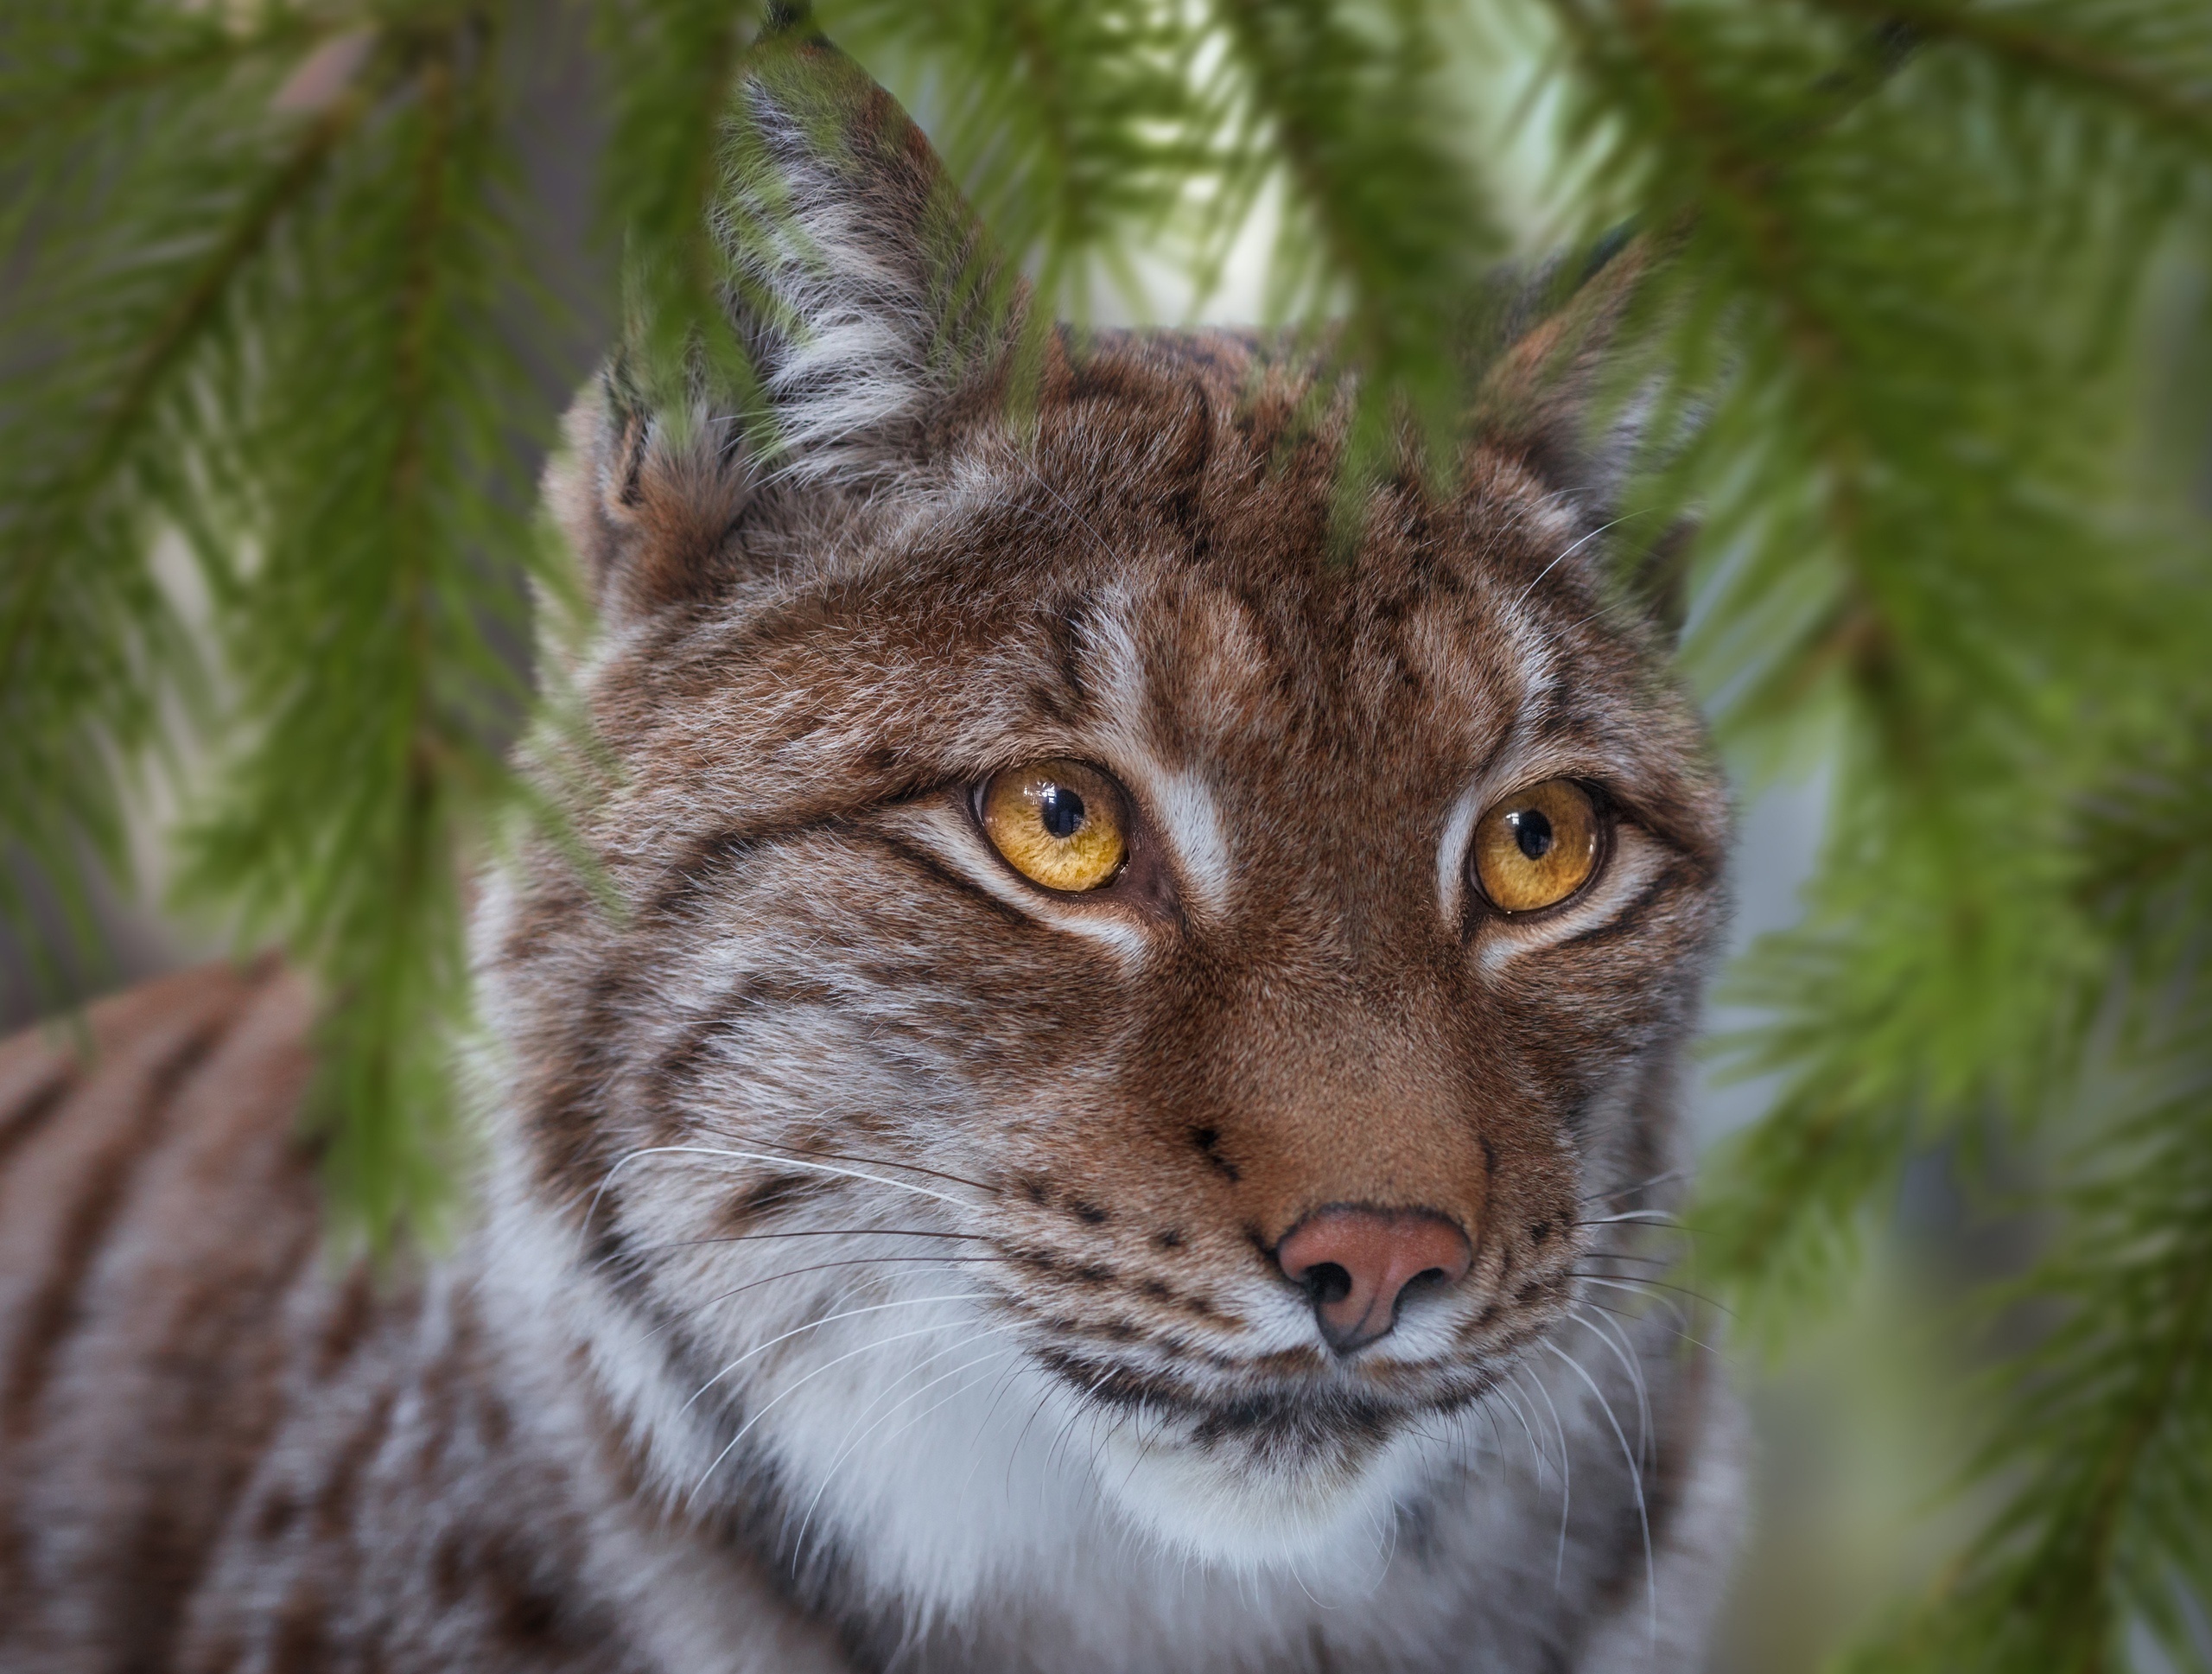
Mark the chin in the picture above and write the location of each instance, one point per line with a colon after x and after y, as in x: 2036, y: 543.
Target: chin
x: 1238, y: 1507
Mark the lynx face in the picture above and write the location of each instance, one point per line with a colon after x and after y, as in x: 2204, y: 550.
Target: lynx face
x: 1098, y: 1002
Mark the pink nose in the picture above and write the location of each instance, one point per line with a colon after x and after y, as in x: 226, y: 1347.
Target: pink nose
x: 1356, y: 1264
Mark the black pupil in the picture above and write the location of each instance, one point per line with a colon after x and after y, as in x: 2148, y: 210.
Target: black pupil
x: 1532, y: 831
x: 1061, y: 810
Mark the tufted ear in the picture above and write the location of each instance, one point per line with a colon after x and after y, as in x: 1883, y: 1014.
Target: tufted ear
x: 871, y: 309
x: 1569, y: 396
x: 1557, y: 394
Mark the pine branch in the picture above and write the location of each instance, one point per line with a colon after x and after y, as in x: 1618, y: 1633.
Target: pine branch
x: 1878, y: 1053
x: 99, y: 445
x: 390, y: 552
x: 36, y: 95
x: 2134, y: 91
x: 1735, y: 181
x: 1073, y: 130
x: 1403, y: 237
x: 673, y: 65
x: 1909, y: 246
x: 172, y: 340
x: 2103, y: 1428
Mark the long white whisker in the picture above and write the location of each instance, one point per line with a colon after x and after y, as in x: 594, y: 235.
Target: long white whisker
x: 1659, y: 1284
x: 1038, y: 477
x: 1622, y: 1314
x: 1033, y: 1412
x: 1076, y: 1416
x: 1677, y: 1322
x: 1639, y: 1217
x: 852, y: 1440
x: 807, y: 1163
x: 1014, y: 1453
x: 881, y: 1342
x: 1497, y: 1436
x: 955, y: 1395
x: 1566, y: 1478
x: 1005, y: 1383
x: 1136, y: 1453
x: 899, y: 1163
x: 1640, y: 1185
x: 814, y: 1233
x: 938, y: 1263
x: 1629, y: 1363
x: 1390, y: 1558
x: 1571, y: 551
x: 815, y: 1325
x: 1535, y: 1453
x: 1634, y: 1287
x: 1636, y: 1483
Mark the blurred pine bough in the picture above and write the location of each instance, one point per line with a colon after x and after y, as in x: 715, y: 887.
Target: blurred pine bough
x: 263, y: 299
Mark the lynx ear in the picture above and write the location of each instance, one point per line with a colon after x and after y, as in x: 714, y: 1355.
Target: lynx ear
x: 1557, y: 395
x: 1567, y: 397
x: 869, y: 303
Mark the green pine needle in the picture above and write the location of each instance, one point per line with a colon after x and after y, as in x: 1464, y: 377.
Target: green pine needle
x: 267, y: 427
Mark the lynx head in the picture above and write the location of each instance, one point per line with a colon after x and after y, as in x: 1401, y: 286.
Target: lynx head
x: 1081, y: 1000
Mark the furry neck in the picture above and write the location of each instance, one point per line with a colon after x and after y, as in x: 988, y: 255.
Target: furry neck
x: 935, y: 1494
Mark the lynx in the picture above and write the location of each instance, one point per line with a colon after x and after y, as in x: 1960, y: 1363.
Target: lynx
x: 1087, y: 1088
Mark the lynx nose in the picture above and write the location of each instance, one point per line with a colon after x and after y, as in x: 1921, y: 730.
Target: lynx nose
x: 1356, y: 1264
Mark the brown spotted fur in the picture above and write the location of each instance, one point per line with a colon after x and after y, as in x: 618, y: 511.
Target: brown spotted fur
x: 797, y: 1046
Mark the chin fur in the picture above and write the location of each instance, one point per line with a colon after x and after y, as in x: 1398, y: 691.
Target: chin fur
x: 1251, y: 1509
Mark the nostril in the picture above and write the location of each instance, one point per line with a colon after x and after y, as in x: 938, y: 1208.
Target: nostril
x: 1327, y: 1283
x: 1356, y: 1264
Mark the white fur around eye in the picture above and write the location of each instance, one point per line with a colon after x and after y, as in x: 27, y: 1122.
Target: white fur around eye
x: 1634, y: 861
x: 1452, y: 851
x: 1191, y: 829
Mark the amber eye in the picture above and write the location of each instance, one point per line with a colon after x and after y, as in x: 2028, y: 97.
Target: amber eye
x: 1538, y: 846
x: 1058, y: 822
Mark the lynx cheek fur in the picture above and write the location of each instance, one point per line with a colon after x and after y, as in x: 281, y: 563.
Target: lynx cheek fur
x: 888, y: 1259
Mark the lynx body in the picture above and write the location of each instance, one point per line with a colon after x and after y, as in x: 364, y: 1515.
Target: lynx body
x: 887, y: 1259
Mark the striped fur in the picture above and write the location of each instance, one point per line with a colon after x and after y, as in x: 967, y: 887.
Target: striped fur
x: 875, y: 1264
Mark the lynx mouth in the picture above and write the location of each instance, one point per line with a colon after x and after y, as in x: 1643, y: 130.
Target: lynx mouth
x: 1275, y: 1479
x: 1313, y: 1415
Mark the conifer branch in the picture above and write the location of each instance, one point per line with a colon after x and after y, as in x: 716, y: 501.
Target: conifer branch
x: 1913, y: 237
x: 1072, y: 227
x: 676, y: 63
x: 2133, y: 92
x: 213, y: 46
x: 2098, y: 1432
x: 166, y: 350
x: 1402, y: 234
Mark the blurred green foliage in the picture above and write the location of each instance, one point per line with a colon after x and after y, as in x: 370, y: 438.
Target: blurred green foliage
x: 1918, y: 356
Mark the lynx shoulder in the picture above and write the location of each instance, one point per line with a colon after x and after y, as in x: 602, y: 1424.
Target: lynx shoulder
x: 1100, y: 1105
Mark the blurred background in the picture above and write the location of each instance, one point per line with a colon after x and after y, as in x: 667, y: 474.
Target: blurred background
x: 1940, y: 311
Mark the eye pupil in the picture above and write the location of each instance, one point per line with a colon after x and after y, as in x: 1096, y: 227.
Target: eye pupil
x: 1061, y: 811
x: 1531, y: 832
